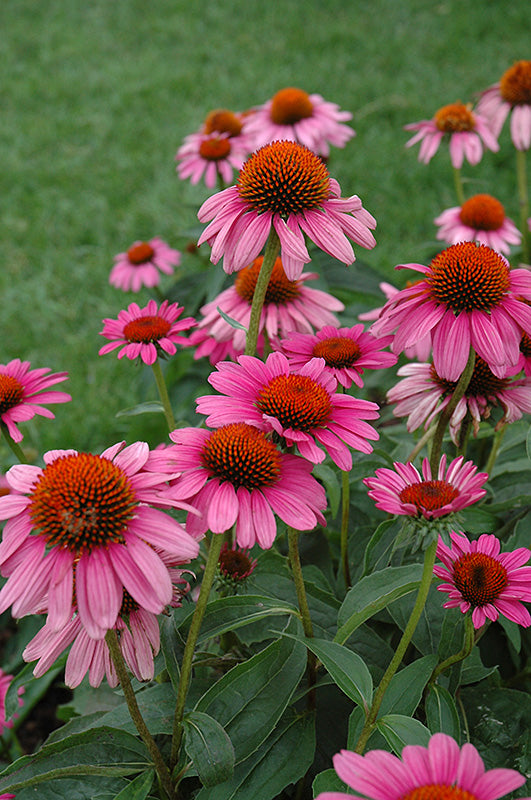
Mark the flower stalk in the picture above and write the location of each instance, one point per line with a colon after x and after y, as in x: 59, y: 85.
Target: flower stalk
x: 163, y: 394
x: 523, y: 202
x: 458, y: 184
x: 420, y: 602
x: 270, y: 256
x: 345, y: 509
x: 468, y: 644
x: 302, y: 599
x: 15, y: 448
x: 193, y: 634
x: 163, y: 773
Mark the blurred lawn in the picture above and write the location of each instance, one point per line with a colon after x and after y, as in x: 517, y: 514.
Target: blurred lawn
x: 96, y: 97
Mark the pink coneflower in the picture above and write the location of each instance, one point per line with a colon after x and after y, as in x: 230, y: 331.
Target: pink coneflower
x: 288, y: 306
x: 423, y: 394
x: 480, y: 578
x: 468, y: 131
x: 22, y: 390
x: 302, y: 407
x: 481, y: 219
x: 347, y: 352
x: 441, y: 770
x: 146, y: 333
x: 420, y: 350
x: 138, y: 636
x: 88, y: 518
x: 469, y: 296
x: 5, y: 683
x: 286, y: 186
x: 211, y: 156
x: 142, y: 264
x: 294, y: 115
x: 405, y: 491
x: 235, y: 474
x: 525, y: 350
x: 512, y: 95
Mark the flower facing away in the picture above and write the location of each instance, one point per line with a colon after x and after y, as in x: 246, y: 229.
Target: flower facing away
x: 481, y: 219
x: 468, y: 297
x: 294, y: 115
x: 405, y: 491
x: 423, y: 394
x: 138, y: 636
x: 142, y: 264
x: 236, y: 474
x: 286, y: 186
x: 478, y: 577
x: 211, y: 156
x: 302, y: 407
x: 469, y: 132
x: 347, y: 352
x: 5, y: 682
x: 146, y: 333
x: 288, y: 306
x: 235, y: 565
x: 420, y: 350
x: 87, y: 521
x: 22, y: 390
x: 512, y: 95
x: 441, y: 771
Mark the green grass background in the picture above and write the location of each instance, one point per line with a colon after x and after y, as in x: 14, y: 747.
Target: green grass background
x: 97, y: 95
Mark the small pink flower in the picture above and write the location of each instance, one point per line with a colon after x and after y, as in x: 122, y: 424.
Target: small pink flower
x: 288, y: 306
x: 89, y: 519
x: 347, y: 352
x: 146, y: 333
x: 243, y: 215
x: 481, y: 219
x: 142, y: 264
x: 423, y: 394
x: 442, y: 770
x: 294, y: 115
x: 512, y: 95
x: 302, y: 407
x: 22, y: 390
x: 211, y: 156
x: 235, y: 474
x: 468, y: 131
x: 478, y: 577
x: 5, y: 683
x: 405, y: 491
x: 469, y: 297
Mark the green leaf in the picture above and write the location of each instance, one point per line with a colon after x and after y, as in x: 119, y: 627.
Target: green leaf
x: 34, y: 689
x: 380, y: 545
x: 249, y: 700
x: 209, y: 747
x: 400, y: 730
x: 373, y: 593
x: 329, y: 479
x: 230, y: 321
x: 528, y: 443
x: 172, y: 646
x: 347, y: 669
x: 441, y: 712
x: 427, y: 634
x: 404, y: 693
x: 512, y: 631
x: 231, y: 613
x: 150, y: 407
x: 473, y: 668
x: 139, y: 788
x: 328, y: 781
x: 103, y: 751
x: 282, y: 759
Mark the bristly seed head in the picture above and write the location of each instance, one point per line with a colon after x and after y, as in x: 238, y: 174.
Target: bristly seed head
x: 242, y: 455
x: 279, y: 291
x: 455, y: 118
x: 482, y: 212
x: 290, y: 105
x: 515, y: 85
x: 140, y: 253
x: 469, y: 277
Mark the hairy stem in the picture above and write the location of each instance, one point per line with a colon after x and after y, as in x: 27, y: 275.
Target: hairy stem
x: 163, y: 773
x: 296, y: 571
x: 458, y: 184
x: 13, y: 446
x: 468, y: 644
x: 270, y: 255
x: 163, y: 394
x: 446, y: 414
x: 345, y: 509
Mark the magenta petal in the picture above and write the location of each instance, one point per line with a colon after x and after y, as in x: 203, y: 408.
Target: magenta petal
x: 142, y: 573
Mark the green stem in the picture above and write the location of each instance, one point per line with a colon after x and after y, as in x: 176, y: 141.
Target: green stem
x: 420, y: 602
x: 458, y: 184
x: 468, y: 644
x: 498, y: 437
x: 421, y: 442
x: 13, y: 446
x: 111, y: 640
x: 296, y: 571
x: 270, y: 255
x: 188, y: 655
x: 163, y: 394
x: 523, y: 202
x: 446, y: 415
x: 464, y: 434
x: 345, y: 508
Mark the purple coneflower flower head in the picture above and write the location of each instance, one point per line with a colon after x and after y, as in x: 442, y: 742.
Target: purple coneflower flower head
x: 511, y: 95
x: 142, y: 264
x: 481, y: 219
